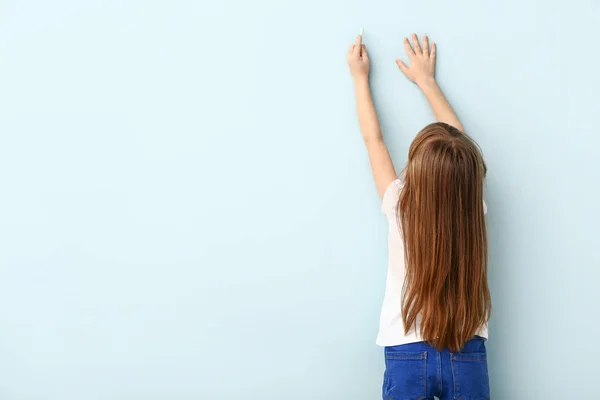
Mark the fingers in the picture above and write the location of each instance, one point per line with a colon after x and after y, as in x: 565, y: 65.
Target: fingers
x: 426, y: 45
x: 358, y: 41
x: 358, y: 51
x: 402, y: 66
x: 408, y: 49
x: 433, y: 51
x: 416, y: 44
x: 358, y: 46
x: 365, y: 55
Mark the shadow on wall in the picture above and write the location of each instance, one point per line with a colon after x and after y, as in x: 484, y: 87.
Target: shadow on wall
x: 498, y: 286
x: 506, y: 288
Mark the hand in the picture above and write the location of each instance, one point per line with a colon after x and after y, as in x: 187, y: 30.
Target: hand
x: 422, y: 62
x: 358, y: 60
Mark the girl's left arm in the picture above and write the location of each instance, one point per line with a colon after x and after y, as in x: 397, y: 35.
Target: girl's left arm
x: 379, y: 156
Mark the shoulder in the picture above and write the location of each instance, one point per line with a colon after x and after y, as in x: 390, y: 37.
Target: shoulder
x: 391, y: 196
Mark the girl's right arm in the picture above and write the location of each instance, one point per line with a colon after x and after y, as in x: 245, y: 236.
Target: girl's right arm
x: 381, y: 162
x: 422, y: 72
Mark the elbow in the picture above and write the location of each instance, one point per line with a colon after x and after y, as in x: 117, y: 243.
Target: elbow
x: 374, y: 137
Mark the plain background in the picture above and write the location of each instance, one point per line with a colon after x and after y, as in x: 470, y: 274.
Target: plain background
x: 187, y: 211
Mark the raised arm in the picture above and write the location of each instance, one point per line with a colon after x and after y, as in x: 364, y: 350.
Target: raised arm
x: 421, y: 70
x: 381, y: 162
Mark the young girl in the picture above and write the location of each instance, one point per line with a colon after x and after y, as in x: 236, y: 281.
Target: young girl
x: 433, y: 322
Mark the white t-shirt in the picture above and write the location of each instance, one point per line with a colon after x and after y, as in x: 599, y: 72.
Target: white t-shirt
x: 391, y: 326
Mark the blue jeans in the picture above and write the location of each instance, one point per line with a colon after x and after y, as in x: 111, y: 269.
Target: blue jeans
x: 418, y: 371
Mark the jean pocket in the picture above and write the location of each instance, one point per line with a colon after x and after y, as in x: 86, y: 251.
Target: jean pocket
x: 405, y: 375
x: 471, y: 380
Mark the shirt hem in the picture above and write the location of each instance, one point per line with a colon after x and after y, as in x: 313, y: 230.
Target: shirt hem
x: 414, y: 339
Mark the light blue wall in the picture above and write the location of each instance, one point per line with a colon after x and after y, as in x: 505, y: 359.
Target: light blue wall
x: 187, y: 212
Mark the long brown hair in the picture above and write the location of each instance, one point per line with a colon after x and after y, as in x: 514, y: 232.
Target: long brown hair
x: 441, y: 213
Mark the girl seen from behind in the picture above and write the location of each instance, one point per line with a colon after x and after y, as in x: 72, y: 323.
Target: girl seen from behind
x: 437, y: 304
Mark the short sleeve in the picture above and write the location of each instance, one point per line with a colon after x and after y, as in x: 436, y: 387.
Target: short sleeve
x: 391, y: 197
x: 484, y: 208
